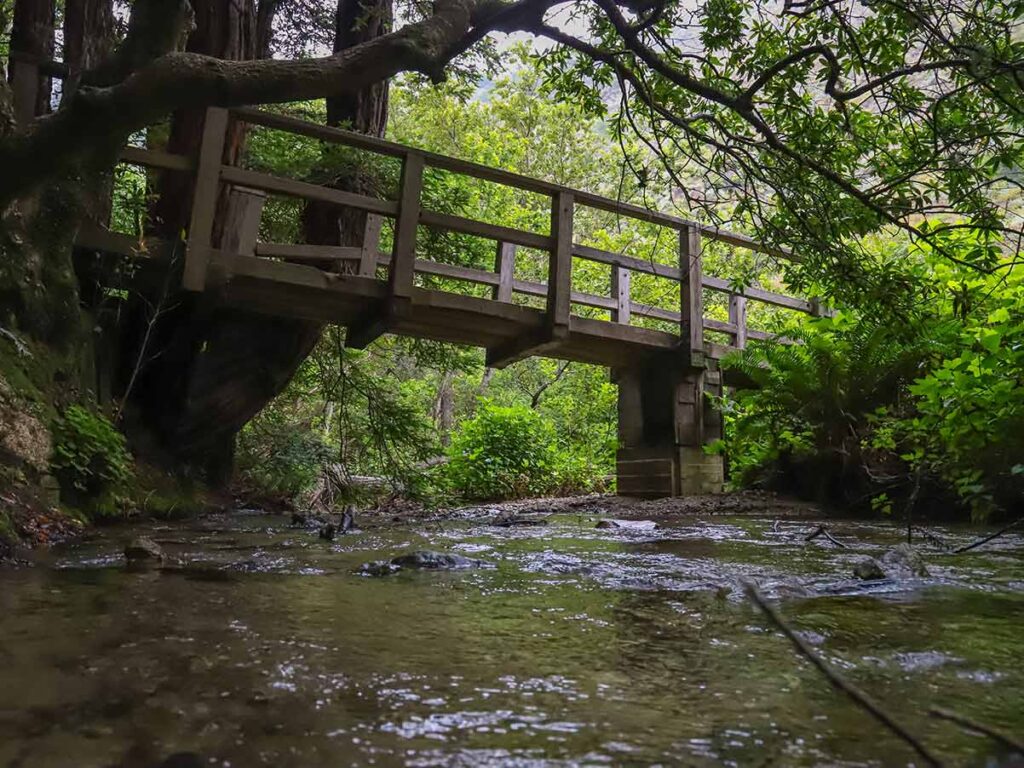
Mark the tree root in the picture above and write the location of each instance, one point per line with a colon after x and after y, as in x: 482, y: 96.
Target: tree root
x: 1005, y: 739
x: 838, y: 681
x: 821, y: 530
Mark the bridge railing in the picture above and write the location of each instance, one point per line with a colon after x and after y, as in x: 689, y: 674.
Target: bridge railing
x: 248, y: 188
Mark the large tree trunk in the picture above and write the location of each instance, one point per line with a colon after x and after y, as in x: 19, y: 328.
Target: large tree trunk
x: 32, y: 37
x: 217, y: 368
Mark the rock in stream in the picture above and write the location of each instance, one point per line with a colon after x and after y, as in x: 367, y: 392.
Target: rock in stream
x: 425, y: 560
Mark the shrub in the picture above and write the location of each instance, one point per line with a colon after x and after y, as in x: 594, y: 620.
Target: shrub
x: 281, y: 458
x: 91, y: 462
x: 502, y: 453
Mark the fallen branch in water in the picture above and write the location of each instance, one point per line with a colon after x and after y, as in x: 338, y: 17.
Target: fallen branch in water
x: 821, y: 530
x: 987, y: 539
x: 838, y: 681
x: 1005, y: 739
x: 933, y: 538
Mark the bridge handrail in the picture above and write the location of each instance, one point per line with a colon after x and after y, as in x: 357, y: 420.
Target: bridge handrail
x: 211, y: 172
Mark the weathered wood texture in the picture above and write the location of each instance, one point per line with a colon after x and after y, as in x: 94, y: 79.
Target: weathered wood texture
x: 550, y: 337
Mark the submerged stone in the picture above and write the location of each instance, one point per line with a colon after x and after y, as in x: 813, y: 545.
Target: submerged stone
x: 421, y: 560
x: 143, y: 548
x: 904, y: 561
x: 868, y: 569
x: 429, y: 560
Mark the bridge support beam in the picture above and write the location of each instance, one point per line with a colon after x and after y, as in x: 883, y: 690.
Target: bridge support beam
x: 665, y: 420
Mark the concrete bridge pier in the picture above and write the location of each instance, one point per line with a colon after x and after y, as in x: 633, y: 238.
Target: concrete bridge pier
x: 665, y: 420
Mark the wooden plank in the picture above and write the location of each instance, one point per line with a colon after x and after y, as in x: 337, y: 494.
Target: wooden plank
x: 242, y: 220
x: 381, y: 146
x: 204, y: 199
x: 95, y: 238
x: 656, y: 313
x: 505, y: 268
x: 711, y: 324
x: 403, y: 255
x: 529, y: 344
x: 531, y: 288
x: 738, y: 317
x: 560, y: 261
x: 402, y: 270
x: 620, y: 295
x: 630, y: 263
x: 301, y: 189
x: 758, y: 294
x: 154, y: 158
x: 487, y: 173
x: 483, y: 229
x: 454, y: 271
x: 690, y: 291
x: 306, y: 252
x: 370, y: 249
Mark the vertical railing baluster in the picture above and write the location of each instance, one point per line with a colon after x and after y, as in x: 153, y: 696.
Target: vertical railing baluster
x: 738, y: 317
x: 403, y: 258
x: 691, y: 291
x: 204, y: 199
x: 370, y: 249
x: 505, y: 267
x: 560, y: 265
x: 621, y: 278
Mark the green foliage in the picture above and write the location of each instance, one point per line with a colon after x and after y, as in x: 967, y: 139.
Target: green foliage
x: 811, y: 402
x: 503, y: 452
x: 281, y: 458
x: 869, y: 404
x: 91, y: 462
x: 969, y: 421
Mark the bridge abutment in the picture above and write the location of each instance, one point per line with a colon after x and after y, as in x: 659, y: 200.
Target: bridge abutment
x: 665, y: 420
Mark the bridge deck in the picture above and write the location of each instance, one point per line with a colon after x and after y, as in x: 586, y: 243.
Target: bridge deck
x: 372, y: 292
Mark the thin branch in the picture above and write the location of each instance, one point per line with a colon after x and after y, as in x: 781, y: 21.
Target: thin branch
x: 821, y: 530
x: 1003, y: 738
x: 987, y: 539
x: 858, y: 696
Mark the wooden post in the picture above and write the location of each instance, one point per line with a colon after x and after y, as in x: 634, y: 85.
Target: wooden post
x: 505, y: 266
x: 403, y: 258
x: 621, y: 278
x: 371, y: 246
x: 560, y: 265
x: 691, y: 293
x: 204, y: 199
x: 398, y: 303
x: 242, y: 220
x: 738, y: 316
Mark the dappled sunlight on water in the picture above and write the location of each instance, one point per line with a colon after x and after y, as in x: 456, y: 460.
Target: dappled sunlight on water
x: 260, y: 645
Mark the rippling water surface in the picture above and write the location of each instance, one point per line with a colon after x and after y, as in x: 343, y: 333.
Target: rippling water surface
x: 258, y: 645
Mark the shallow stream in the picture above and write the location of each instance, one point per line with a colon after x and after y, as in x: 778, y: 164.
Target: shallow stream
x: 257, y: 644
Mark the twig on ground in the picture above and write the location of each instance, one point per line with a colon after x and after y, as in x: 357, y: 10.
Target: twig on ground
x: 987, y: 539
x: 996, y: 735
x: 821, y: 530
x: 838, y: 681
x: 934, y: 538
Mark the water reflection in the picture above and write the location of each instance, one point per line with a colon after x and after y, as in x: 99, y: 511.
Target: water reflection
x: 259, y: 645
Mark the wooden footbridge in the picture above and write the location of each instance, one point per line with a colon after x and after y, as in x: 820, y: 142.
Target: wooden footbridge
x: 662, y: 375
